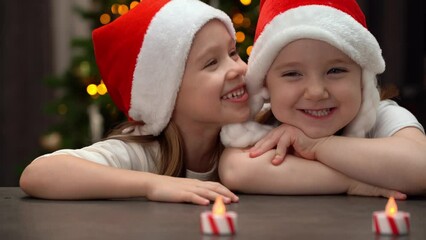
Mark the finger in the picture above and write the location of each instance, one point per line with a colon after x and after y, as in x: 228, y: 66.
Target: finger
x: 212, y: 196
x: 265, y: 145
x: 397, y: 195
x: 196, y: 199
x: 269, y: 139
x: 278, y: 159
x: 223, y: 191
x: 282, y: 146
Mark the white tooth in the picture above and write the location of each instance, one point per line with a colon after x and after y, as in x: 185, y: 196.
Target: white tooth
x: 235, y: 94
x: 319, y: 113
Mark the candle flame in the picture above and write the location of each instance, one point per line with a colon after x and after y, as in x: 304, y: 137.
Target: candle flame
x: 391, y: 207
x: 219, y: 206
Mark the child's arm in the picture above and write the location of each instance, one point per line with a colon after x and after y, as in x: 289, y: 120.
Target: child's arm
x: 67, y: 177
x: 396, y: 162
x: 295, y: 176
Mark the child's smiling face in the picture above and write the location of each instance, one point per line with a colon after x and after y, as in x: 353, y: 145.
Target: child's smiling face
x: 315, y: 87
x: 213, y: 90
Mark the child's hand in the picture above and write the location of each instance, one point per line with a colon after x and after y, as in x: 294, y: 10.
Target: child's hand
x: 283, y: 137
x: 173, y: 189
x: 363, y: 189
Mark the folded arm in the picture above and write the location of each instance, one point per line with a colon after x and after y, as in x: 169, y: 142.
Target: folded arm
x: 67, y: 177
x: 395, y: 162
x: 296, y: 176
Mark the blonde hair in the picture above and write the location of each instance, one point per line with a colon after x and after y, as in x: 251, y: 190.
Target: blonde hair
x: 171, y: 160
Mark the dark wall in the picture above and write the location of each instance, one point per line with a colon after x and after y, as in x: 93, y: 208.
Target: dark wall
x: 400, y: 29
x: 25, y: 60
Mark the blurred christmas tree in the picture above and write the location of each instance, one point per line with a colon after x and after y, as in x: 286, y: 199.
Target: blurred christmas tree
x: 83, y: 109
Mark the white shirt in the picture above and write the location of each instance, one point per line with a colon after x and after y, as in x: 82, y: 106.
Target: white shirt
x: 391, y: 118
x: 127, y: 155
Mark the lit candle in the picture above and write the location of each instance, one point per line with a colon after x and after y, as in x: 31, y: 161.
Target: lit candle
x: 218, y: 221
x: 391, y: 221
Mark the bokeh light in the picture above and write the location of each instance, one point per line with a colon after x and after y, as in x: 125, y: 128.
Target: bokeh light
x: 248, y: 50
x: 240, y: 36
x: 245, y: 2
x: 105, y: 18
x: 92, y: 89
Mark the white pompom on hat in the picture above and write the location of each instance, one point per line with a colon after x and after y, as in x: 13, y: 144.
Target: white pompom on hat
x: 341, y: 24
x: 142, y: 56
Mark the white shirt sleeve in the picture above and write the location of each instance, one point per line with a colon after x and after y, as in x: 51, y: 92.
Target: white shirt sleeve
x: 116, y: 153
x: 391, y: 118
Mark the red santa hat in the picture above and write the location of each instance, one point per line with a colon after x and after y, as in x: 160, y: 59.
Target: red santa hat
x: 142, y: 55
x: 340, y: 23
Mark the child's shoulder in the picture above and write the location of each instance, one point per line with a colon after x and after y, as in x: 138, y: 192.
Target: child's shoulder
x: 391, y: 117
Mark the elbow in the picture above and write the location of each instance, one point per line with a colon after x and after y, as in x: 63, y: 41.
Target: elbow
x: 26, y: 182
x: 31, y: 180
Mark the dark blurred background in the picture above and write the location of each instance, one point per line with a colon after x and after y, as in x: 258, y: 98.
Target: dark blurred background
x: 37, y: 43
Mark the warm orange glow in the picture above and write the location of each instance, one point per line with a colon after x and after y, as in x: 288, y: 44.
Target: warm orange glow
x: 240, y: 36
x: 248, y: 50
x: 238, y: 18
x: 133, y: 4
x: 114, y: 8
x: 219, y: 206
x: 105, y: 18
x: 123, y: 9
x: 391, y: 207
x: 102, y: 90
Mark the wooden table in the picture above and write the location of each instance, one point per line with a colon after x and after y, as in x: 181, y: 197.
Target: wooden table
x: 259, y: 217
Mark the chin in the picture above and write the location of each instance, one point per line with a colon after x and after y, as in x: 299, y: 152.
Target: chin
x: 239, y: 118
x: 319, y: 134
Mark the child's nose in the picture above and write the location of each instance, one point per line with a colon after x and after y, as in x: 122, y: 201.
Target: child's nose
x: 316, y: 90
x: 236, y: 69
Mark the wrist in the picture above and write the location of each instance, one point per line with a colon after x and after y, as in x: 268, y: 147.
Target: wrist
x: 320, y: 149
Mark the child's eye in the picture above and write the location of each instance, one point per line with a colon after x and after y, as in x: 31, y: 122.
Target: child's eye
x: 336, y: 71
x: 234, y: 54
x: 290, y: 74
x: 210, y: 63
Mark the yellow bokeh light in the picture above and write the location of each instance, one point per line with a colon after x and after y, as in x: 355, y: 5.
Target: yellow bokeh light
x: 92, y: 89
x: 102, y: 90
x: 123, y: 9
x: 238, y: 19
x: 105, y: 18
x: 248, y: 50
x: 245, y: 2
x: 114, y: 8
x: 133, y: 4
x: 240, y: 36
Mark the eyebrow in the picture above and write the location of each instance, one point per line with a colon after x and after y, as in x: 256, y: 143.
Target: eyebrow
x: 286, y: 64
x: 212, y: 48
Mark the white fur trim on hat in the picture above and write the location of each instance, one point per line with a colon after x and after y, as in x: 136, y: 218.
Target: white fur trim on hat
x: 243, y: 134
x: 162, y: 58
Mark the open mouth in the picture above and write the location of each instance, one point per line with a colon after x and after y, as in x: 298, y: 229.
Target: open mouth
x: 318, y: 113
x: 235, y: 94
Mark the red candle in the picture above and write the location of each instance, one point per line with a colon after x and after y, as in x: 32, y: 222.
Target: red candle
x: 391, y: 221
x: 218, y: 221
